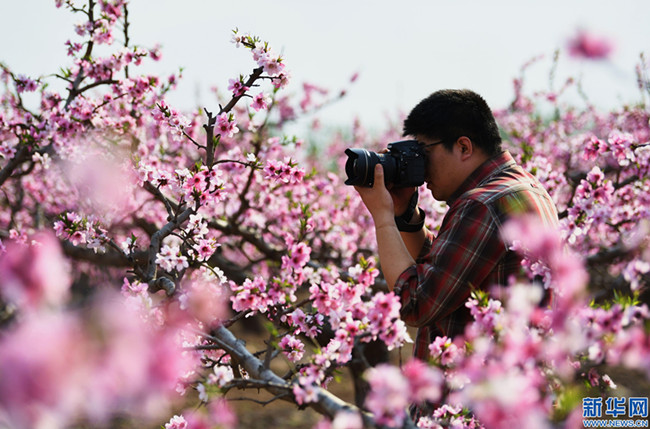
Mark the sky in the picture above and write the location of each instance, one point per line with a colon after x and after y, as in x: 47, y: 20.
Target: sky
x: 402, y: 50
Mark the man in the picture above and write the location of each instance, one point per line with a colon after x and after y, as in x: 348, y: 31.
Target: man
x: 483, y: 187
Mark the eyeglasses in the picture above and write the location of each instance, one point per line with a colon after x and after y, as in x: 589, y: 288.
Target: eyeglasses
x: 424, y: 146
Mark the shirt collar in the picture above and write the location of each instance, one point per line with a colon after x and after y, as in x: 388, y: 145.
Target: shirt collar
x: 482, y: 172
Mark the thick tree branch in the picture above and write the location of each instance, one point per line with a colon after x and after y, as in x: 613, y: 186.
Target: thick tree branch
x: 110, y: 258
x: 327, y: 404
x: 156, y: 241
x: 608, y: 255
x: 19, y: 158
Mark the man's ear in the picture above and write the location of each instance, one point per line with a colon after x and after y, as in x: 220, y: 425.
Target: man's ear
x: 465, y: 147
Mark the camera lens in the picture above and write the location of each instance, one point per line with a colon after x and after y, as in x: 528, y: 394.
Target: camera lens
x: 360, y: 167
x: 403, y: 164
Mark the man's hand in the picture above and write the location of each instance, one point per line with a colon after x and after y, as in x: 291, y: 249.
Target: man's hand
x: 393, y: 253
x: 378, y: 200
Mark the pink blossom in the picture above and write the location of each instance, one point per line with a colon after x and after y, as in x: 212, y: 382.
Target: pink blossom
x: 447, y: 410
x: 590, y: 46
x: 25, y: 84
x: 197, y: 226
x: 35, y: 274
x: 226, y: 124
x: 203, y: 297
x: 388, y: 396
x: 309, y: 324
x: 298, y: 256
x: 281, y: 81
x: 309, y: 90
x: 346, y: 420
x: 425, y: 381
x: 621, y: 146
x: 170, y: 258
x: 111, y: 362
x: 176, y: 422
x: 364, y: 276
x: 155, y: 53
x: 340, y: 347
x: 304, y: 391
x: 237, y: 39
x: 273, y: 65
x: 221, y: 414
x: 222, y: 375
x: 205, y: 248
x: 488, y: 317
x: 428, y: 423
x: 261, y: 101
x: 39, y: 383
x: 265, y: 58
x: 444, y: 351
x: 251, y: 295
x: 384, y: 320
x: 237, y: 87
x: 283, y: 171
x: 7, y: 150
x: 292, y: 347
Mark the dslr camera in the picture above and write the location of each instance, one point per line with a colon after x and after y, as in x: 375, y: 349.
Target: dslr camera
x: 403, y: 165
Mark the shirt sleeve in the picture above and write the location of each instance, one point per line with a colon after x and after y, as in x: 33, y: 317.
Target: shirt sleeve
x: 466, y: 250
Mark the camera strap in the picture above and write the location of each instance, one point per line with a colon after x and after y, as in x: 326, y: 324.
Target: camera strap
x: 403, y: 221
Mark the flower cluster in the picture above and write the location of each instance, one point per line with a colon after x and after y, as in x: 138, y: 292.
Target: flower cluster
x: 170, y: 258
x: 172, y: 120
x: 81, y: 230
x: 283, y: 171
x: 227, y: 125
x: 269, y: 61
x: 112, y: 358
x: 393, y: 390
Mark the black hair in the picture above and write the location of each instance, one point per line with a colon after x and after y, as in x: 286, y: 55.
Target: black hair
x: 452, y: 113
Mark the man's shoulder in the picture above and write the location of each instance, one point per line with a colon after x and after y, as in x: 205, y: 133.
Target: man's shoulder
x: 513, y: 190
x: 508, y: 180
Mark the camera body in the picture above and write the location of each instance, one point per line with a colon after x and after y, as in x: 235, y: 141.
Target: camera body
x: 404, y: 165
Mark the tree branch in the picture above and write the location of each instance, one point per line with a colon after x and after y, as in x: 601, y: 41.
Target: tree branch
x: 249, y: 83
x: 156, y: 241
x: 13, y: 163
x: 327, y: 404
x: 107, y: 259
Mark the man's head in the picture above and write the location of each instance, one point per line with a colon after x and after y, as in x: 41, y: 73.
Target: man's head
x: 449, y: 114
x: 459, y: 133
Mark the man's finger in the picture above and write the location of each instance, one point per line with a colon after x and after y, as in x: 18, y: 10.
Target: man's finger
x: 379, y: 174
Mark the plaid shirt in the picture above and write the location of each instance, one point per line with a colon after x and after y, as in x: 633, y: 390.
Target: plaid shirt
x: 469, y: 251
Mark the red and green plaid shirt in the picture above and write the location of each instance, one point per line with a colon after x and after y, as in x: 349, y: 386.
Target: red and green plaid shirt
x: 469, y: 251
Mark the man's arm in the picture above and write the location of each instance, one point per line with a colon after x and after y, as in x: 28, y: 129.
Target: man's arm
x: 395, y: 253
x: 464, y: 254
x: 414, y: 240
